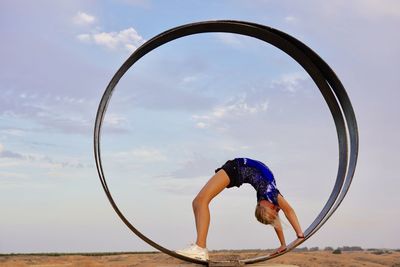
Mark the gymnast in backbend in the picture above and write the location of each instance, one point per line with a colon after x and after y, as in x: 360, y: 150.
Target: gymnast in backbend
x: 269, y: 202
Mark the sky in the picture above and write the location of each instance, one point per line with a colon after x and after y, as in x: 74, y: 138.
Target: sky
x: 181, y: 112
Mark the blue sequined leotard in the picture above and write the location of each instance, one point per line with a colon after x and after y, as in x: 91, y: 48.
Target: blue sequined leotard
x: 260, y: 177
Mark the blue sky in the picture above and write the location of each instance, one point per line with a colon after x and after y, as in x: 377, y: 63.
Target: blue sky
x: 181, y: 112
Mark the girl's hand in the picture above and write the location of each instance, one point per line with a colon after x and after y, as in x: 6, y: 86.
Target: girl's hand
x: 300, y: 235
x: 279, y: 250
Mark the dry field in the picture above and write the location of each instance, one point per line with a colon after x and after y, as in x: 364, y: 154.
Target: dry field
x: 318, y: 258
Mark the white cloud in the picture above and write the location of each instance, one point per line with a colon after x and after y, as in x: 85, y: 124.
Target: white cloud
x: 190, y: 79
x: 235, y: 107
x: 84, y: 37
x: 114, y: 119
x: 230, y: 39
x: 239, y: 106
x: 290, y: 19
x: 38, y: 161
x: 127, y: 39
x: 291, y: 82
x: 69, y: 100
x: 83, y: 18
x: 201, y: 125
x: 9, y: 154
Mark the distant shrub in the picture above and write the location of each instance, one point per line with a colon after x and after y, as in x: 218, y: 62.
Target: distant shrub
x: 381, y: 251
x: 353, y: 248
x: 313, y: 249
x: 328, y: 249
x: 337, y: 251
x: 303, y: 249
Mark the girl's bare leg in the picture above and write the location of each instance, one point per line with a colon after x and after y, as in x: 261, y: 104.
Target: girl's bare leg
x: 213, y: 187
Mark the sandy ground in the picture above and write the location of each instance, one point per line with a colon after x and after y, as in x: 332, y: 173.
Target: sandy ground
x: 318, y: 258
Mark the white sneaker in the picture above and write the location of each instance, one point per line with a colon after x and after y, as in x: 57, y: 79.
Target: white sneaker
x: 194, y: 251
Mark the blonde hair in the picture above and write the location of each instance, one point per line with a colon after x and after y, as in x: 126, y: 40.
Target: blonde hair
x: 267, y: 215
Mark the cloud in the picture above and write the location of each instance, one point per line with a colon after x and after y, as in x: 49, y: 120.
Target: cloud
x: 113, y: 119
x: 86, y: 38
x: 9, y: 154
x: 233, y: 40
x: 127, y: 39
x: 53, y: 112
x: 290, y: 19
x: 172, y: 90
x: 235, y: 107
x: 68, y: 123
x: 39, y: 160
x: 190, y: 79
x: 83, y: 18
x: 291, y: 82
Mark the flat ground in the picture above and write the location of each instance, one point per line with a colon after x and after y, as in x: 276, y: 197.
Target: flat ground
x: 317, y: 258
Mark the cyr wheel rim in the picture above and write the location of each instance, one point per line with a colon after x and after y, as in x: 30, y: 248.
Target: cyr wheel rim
x: 324, y: 77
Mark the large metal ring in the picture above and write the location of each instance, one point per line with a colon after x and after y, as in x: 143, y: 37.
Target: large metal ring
x: 324, y: 77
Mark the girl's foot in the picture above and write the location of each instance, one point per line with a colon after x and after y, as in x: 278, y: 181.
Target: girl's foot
x: 194, y: 251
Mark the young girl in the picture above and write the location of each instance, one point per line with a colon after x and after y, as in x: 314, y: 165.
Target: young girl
x: 269, y: 201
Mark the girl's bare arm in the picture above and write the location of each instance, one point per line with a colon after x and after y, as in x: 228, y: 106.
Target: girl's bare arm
x: 279, y: 233
x: 281, y: 237
x: 290, y: 215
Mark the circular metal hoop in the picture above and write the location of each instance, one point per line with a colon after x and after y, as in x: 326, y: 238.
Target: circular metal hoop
x: 324, y: 77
